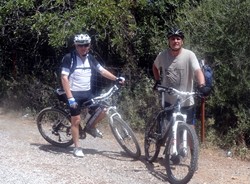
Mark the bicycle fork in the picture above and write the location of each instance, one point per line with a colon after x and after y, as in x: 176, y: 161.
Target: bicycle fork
x: 111, y: 121
x: 183, y: 138
x: 111, y: 112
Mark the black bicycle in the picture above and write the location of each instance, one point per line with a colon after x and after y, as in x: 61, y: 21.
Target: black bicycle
x: 180, y: 141
x: 54, y: 122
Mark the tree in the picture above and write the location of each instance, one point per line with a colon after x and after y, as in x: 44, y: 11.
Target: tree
x: 220, y: 29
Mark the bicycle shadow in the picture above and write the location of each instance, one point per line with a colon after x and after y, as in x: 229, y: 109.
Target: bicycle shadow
x: 157, y: 168
x: 53, y: 149
x: 121, y: 156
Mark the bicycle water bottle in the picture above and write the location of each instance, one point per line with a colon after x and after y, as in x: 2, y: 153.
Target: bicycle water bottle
x: 93, y: 118
x: 87, y: 116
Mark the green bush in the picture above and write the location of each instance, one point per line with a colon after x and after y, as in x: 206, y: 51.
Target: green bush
x: 24, y: 93
x: 225, y: 39
x: 139, y: 102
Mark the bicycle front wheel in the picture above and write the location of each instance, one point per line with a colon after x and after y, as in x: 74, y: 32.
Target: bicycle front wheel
x: 125, y: 137
x: 55, y: 127
x: 181, y: 167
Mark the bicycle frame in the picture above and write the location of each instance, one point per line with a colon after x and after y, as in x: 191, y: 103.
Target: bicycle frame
x: 177, y: 116
x: 100, y: 101
x: 120, y: 129
x: 112, y: 114
x: 110, y: 110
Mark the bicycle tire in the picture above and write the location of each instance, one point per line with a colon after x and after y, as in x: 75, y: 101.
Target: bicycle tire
x: 125, y: 136
x: 151, y: 141
x: 181, y: 168
x: 55, y: 127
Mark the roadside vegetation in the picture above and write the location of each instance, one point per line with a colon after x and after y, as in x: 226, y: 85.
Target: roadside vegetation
x: 126, y: 37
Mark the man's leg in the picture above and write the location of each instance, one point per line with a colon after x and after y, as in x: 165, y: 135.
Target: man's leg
x: 92, y: 128
x: 101, y: 116
x: 75, y: 121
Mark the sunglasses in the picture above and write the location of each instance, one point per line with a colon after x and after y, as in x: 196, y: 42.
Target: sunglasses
x: 84, y: 45
x: 175, y: 38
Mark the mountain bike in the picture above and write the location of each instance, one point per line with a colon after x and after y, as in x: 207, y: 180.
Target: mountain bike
x: 54, y: 122
x: 170, y: 130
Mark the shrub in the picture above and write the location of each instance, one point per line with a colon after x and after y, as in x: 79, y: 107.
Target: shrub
x: 139, y: 102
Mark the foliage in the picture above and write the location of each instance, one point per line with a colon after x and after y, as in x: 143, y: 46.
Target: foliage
x: 139, y: 102
x: 25, y: 93
x: 224, y: 38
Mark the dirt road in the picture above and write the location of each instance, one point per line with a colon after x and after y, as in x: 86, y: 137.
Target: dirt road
x: 27, y: 158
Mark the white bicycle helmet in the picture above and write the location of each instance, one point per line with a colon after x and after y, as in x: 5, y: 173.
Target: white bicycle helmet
x: 81, y: 39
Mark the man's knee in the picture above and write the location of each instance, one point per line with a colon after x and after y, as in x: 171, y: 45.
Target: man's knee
x: 75, y: 120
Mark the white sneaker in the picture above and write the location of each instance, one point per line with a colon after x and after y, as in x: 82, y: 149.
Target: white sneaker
x: 77, y: 152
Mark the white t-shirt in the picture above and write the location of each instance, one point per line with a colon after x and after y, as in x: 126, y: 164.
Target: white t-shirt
x: 80, y: 78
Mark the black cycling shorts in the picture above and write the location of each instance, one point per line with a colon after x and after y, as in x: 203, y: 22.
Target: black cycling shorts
x: 80, y: 97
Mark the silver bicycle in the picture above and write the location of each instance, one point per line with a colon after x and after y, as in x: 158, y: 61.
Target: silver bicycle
x: 54, y: 122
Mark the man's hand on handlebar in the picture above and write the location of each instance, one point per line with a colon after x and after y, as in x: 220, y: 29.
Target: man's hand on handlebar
x: 120, y: 80
x: 157, y: 82
x: 204, y: 90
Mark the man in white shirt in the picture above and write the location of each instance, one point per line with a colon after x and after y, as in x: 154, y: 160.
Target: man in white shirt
x: 77, y: 84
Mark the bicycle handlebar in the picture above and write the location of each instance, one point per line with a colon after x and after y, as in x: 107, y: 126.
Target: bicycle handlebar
x: 103, y: 96
x: 106, y: 95
x: 173, y: 91
x: 182, y: 96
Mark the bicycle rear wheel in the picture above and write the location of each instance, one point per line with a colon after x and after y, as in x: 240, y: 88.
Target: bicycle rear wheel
x: 55, y: 127
x: 125, y: 137
x: 181, y: 167
x: 152, y: 145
